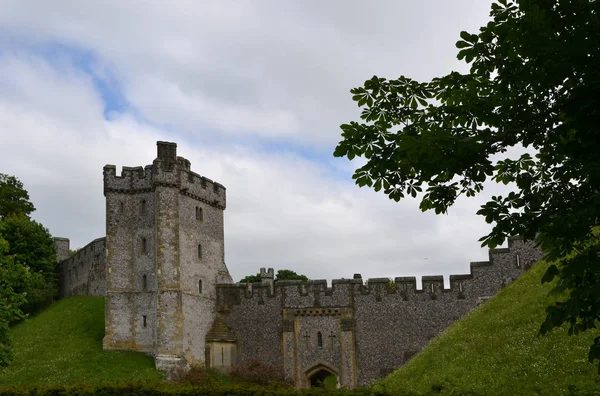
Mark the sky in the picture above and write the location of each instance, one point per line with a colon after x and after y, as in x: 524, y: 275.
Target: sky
x: 253, y: 92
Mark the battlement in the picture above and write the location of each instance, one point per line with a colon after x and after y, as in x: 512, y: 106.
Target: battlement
x: 202, y: 188
x: 167, y: 170
x: 267, y: 274
x: 131, y: 179
x: 93, y: 247
x: 485, y: 279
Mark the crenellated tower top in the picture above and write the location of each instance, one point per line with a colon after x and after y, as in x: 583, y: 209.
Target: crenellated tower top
x: 167, y: 170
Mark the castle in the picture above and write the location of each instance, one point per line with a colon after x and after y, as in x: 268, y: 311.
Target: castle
x: 168, y: 292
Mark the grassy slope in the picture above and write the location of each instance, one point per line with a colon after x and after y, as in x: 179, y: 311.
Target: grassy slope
x: 63, y: 345
x: 495, y: 350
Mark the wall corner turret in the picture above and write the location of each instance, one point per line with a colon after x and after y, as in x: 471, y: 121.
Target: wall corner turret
x: 61, y: 247
x: 267, y: 276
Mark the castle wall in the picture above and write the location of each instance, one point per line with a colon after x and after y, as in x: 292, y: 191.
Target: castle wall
x: 410, y: 318
x: 256, y: 318
x: 82, y: 274
x: 374, y: 327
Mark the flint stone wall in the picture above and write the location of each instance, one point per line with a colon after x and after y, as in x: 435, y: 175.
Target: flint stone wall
x: 83, y: 274
x: 390, y: 322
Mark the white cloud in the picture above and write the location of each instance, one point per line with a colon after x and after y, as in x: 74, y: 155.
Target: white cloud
x: 210, y: 75
x: 271, y: 68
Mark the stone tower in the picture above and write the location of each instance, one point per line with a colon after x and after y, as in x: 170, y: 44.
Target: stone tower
x: 164, y: 256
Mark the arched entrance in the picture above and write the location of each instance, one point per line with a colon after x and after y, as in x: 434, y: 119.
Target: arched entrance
x: 317, y: 375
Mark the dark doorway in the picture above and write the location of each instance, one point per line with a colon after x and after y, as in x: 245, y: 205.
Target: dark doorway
x: 318, y: 378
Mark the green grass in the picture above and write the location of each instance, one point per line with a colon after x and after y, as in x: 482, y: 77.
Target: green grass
x: 63, y: 346
x: 495, y: 350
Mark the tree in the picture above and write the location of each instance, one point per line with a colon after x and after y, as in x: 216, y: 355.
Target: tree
x: 28, y: 279
x: 281, y: 275
x: 289, y: 275
x: 31, y: 244
x: 534, y: 84
x: 251, y: 279
x: 13, y: 276
x: 14, y: 199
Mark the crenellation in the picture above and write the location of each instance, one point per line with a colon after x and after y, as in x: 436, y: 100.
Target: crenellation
x: 432, y: 286
x: 343, y: 281
x: 372, y: 281
x: 131, y: 180
x: 473, y: 264
x: 406, y: 285
x: 184, y: 163
x: 460, y: 278
x: 292, y: 282
x: 461, y: 285
x: 203, y: 189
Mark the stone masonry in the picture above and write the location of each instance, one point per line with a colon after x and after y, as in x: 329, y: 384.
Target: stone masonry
x: 169, y: 293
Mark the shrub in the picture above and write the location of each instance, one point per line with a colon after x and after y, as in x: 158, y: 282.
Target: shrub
x: 256, y: 371
x: 200, y: 376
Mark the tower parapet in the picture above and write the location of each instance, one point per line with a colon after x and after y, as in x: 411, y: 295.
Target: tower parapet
x: 167, y: 170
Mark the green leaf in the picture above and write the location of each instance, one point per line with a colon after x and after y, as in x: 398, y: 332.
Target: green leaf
x: 377, y: 185
x: 550, y: 273
x: 466, y: 36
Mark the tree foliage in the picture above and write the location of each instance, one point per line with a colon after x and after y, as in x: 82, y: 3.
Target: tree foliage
x: 27, y: 261
x: 14, y: 279
x: 281, y: 275
x: 534, y: 83
x: 31, y: 244
x: 14, y: 199
x: 251, y: 279
x: 289, y: 275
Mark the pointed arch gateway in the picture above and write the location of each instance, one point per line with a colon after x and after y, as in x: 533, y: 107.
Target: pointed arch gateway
x: 318, y: 373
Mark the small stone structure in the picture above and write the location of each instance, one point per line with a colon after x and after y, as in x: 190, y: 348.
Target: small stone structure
x: 169, y: 293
